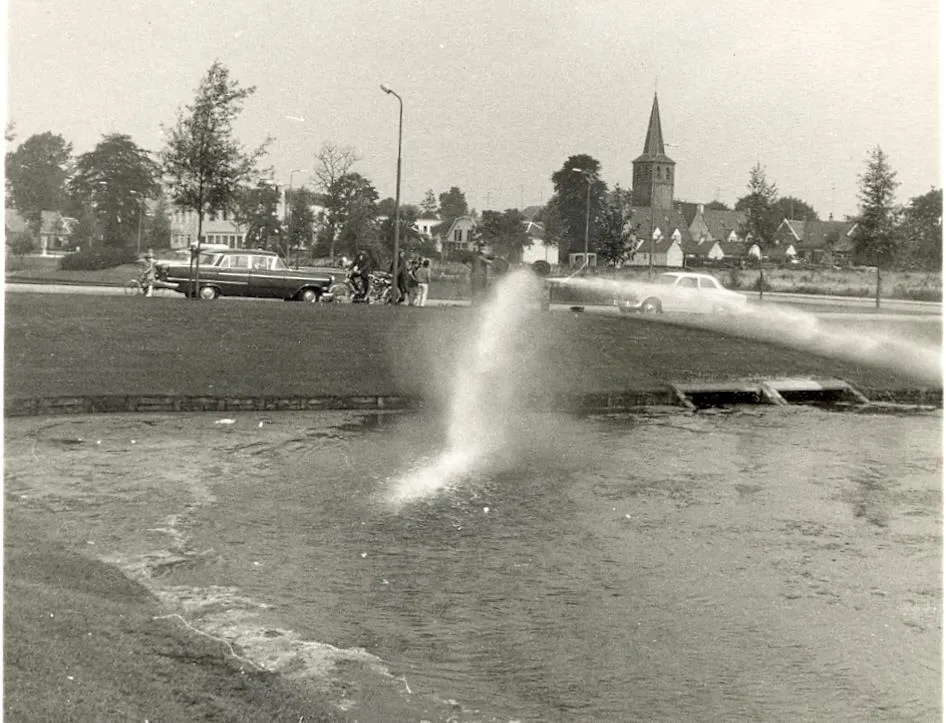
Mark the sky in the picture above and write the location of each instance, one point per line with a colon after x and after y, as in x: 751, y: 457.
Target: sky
x: 498, y: 94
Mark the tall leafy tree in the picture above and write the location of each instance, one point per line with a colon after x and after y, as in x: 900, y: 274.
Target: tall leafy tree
x: 504, y: 232
x: 36, y: 175
x: 874, y: 237
x: 255, y: 211
x: 203, y: 163
x: 922, y: 231
x: 574, y: 204
x: 117, y: 177
x: 758, y: 204
x: 332, y: 161
x: 615, y: 237
x: 159, y: 231
x: 351, y: 208
x: 301, y: 219
x: 793, y: 208
x: 429, y: 206
x: 410, y: 239
x: 452, y: 205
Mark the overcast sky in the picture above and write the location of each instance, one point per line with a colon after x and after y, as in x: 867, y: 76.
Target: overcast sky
x: 497, y: 94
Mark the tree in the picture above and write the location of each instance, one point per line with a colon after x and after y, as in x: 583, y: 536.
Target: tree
x: 351, y: 210
x: 255, y: 211
x: 922, y: 231
x: 504, y: 233
x: 793, y: 208
x: 159, y: 232
x: 332, y: 161
x: 428, y: 206
x: 571, y: 200
x: 761, y: 221
x: 615, y: 238
x: 203, y: 163
x: 116, y: 177
x: 36, y: 176
x: 452, y: 206
x: 874, y: 238
x: 301, y: 220
x: 410, y: 239
x: 716, y: 206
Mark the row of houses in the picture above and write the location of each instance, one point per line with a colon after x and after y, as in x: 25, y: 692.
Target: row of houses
x: 710, y: 236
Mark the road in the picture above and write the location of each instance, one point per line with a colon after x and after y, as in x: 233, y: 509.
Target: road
x: 826, y: 305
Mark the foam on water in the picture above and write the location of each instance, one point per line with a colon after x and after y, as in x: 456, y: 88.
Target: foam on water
x: 483, y: 409
x: 803, y: 330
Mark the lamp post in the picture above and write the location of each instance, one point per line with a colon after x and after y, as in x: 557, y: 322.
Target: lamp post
x: 397, y: 189
x: 589, y: 178
x: 141, y: 211
x: 287, y: 212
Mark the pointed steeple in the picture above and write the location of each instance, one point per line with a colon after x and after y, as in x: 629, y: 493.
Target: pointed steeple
x: 654, y: 143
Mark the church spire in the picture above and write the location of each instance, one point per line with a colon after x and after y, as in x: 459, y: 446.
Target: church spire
x: 654, y: 143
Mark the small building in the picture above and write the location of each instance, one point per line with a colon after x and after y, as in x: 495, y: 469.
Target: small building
x: 218, y: 228
x: 55, y: 233
x: 666, y: 253
x: 459, y: 236
x: 717, y: 225
x: 818, y: 241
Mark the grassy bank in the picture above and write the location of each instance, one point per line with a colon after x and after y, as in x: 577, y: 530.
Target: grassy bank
x: 61, y: 345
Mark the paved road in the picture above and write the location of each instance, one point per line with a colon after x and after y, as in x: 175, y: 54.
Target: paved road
x: 826, y: 305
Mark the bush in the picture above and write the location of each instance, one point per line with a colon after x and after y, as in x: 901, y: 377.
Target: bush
x: 95, y: 259
x: 22, y: 245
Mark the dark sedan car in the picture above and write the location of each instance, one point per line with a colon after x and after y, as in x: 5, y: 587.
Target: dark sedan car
x: 245, y: 272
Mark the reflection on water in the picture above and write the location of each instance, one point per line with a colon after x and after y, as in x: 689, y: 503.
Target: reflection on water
x: 765, y: 564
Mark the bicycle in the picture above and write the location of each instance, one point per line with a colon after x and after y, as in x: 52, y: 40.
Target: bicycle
x: 139, y: 286
x: 379, y: 290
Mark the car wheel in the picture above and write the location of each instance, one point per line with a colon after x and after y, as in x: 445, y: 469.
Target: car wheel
x: 209, y: 292
x: 651, y: 306
x: 310, y: 296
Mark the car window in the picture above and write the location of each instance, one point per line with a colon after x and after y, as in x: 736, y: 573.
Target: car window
x: 667, y: 279
x: 238, y: 261
x: 709, y: 284
x: 687, y: 283
x: 209, y: 259
x: 278, y: 263
x: 261, y: 263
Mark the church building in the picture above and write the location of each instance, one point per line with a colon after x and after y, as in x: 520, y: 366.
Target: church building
x: 660, y: 230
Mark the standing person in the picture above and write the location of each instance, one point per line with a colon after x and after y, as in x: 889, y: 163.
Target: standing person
x: 479, y: 276
x: 359, y: 273
x: 412, y: 288
x: 423, y: 282
x: 147, y: 276
x: 400, y: 283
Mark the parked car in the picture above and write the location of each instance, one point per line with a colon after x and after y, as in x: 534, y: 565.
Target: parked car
x: 681, y: 291
x: 245, y: 272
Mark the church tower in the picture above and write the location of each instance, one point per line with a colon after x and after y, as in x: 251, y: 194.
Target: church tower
x: 653, y: 169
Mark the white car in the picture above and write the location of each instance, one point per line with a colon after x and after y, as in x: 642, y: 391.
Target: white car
x: 681, y: 291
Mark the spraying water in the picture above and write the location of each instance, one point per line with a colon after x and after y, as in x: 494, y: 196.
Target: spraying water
x: 802, y: 330
x: 484, y: 404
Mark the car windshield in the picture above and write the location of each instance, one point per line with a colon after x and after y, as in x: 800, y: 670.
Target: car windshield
x: 667, y: 279
x: 208, y: 259
x: 279, y: 264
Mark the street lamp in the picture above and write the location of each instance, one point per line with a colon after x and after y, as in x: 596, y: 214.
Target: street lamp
x: 589, y: 178
x: 397, y: 190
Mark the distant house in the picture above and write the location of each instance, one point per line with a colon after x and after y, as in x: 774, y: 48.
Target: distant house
x: 217, y: 228
x: 459, y: 236
x: 666, y: 252
x: 698, y: 252
x: 717, y: 225
x: 55, y: 232
x: 818, y: 241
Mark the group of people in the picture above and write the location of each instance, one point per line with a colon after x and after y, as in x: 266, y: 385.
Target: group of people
x: 411, y: 283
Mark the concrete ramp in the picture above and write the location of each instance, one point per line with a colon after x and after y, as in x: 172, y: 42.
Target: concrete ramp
x: 769, y: 391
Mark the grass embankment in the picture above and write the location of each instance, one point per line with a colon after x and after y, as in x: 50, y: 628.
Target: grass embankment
x: 82, y: 642
x: 64, y: 345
